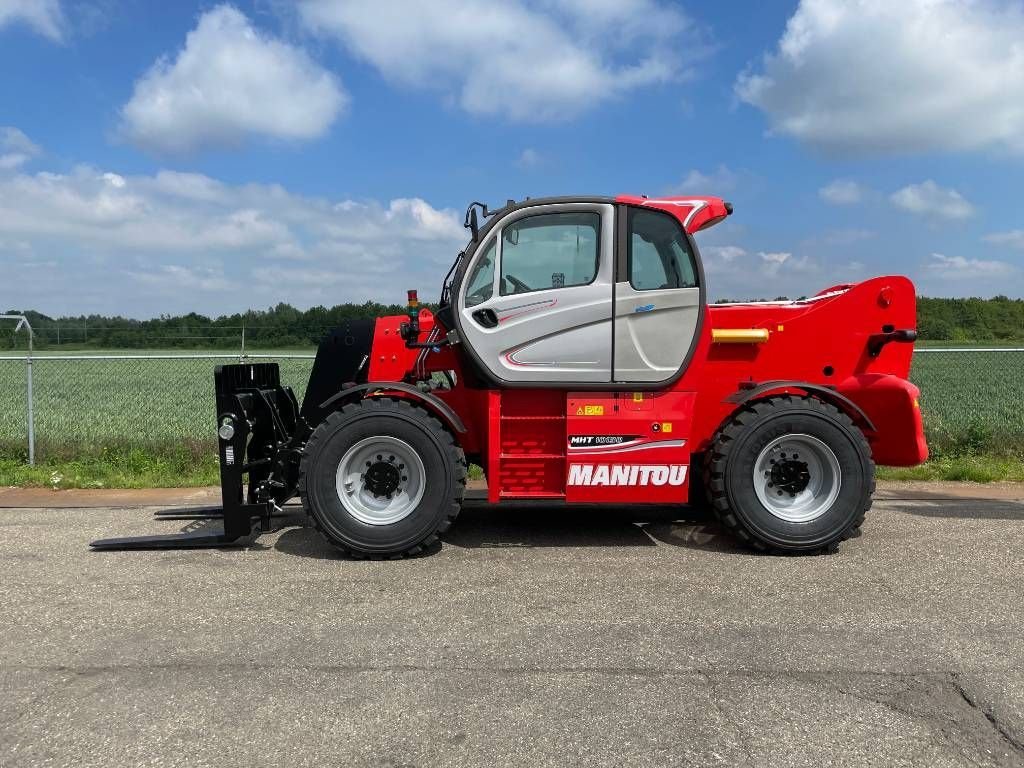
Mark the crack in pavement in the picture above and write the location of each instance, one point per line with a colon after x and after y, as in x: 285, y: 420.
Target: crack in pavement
x: 737, y: 726
x: 942, y: 703
x: 1016, y: 744
x: 919, y: 695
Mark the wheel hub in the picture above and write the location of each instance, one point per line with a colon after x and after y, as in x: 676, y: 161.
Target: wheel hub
x: 797, y: 478
x: 382, y: 478
x: 790, y: 475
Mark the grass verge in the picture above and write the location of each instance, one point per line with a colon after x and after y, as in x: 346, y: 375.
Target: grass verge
x: 183, y: 468
x: 177, y: 467
x: 970, y: 467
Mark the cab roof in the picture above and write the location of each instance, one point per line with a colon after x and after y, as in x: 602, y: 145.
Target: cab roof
x: 696, y: 212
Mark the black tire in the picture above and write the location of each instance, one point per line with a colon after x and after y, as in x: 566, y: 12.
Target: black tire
x: 444, y: 478
x: 729, y: 474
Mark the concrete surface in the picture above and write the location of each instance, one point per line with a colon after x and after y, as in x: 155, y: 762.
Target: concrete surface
x: 532, y: 636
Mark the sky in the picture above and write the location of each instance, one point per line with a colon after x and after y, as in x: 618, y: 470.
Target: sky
x: 163, y: 158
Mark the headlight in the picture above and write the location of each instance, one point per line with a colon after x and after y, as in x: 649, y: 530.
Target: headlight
x: 227, y: 430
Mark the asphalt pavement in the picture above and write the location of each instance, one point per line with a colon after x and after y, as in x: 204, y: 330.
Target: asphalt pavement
x: 533, y: 635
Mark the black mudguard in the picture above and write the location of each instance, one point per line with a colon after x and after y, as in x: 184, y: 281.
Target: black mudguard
x: 342, y: 361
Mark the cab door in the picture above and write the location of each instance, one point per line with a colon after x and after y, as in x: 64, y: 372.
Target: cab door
x: 536, y: 303
x: 657, y: 297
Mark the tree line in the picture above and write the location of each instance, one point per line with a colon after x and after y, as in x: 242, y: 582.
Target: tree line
x: 999, y: 319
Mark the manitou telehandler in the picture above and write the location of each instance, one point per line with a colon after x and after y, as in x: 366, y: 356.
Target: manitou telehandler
x: 574, y: 357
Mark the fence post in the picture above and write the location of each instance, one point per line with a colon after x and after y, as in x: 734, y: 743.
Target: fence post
x: 31, y: 415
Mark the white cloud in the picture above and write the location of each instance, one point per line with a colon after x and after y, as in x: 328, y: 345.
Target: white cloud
x: 529, y: 158
x: 229, y: 82
x: 929, y: 199
x: 179, y: 242
x: 12, y: 160
x: 914, y: 75
x: 44, y: 16
x: 726, y: 253
x: 842, y: 192
x: 16, y: 148
x: 1014, y: 238
x: 959, y: 268
x: 15, y: 141
x: 778, y: 263
x: 942, y: 275
x: 736, y: 274
x: 718, y: 181
x: 531, y: 60
x: 175, y: 277
x: 721, y: 259
x: 771, y: 263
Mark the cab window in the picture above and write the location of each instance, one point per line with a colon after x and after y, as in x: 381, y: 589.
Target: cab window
x: 481, y: 282
x: 659, y: 254
x: 551, y: 250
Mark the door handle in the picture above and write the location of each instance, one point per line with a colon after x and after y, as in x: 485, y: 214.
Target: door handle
x: 486, y: 318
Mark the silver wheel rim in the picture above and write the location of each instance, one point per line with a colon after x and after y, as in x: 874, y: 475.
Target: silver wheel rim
x: 366, y: 474
x: 797, y: 478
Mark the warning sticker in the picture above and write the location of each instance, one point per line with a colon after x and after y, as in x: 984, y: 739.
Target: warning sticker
x: 590, y: 410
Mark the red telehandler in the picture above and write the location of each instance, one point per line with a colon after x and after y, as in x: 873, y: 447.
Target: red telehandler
x: 575, y: 358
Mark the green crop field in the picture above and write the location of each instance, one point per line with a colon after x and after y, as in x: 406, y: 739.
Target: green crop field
x: 973, y: 403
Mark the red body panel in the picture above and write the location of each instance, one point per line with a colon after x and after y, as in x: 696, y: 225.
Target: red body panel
x: 696, y: 213
x: 650, y: 465
x: 823, y: 341
x: 625, y: 446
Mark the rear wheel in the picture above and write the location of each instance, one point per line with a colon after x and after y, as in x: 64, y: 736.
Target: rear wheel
x: 790, y: 474
x: 382, y: 478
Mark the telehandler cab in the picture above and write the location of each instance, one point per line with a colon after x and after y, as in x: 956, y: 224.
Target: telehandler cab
x: 574, y: 357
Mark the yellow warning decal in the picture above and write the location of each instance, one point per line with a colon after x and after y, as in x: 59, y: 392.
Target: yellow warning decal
x: 638, y: 397
x: 666, y: 427
x: 590, y: 410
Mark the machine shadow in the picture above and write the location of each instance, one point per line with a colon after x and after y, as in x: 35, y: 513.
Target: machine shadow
x: 541, y: 525
x: 533, y: 525
x: 962, y: 509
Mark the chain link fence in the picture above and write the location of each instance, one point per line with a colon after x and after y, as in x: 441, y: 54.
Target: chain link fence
x: 972, y: 400
x: 87, y: 403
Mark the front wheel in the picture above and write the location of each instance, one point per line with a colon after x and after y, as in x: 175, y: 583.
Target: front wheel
x: 382, y: 478
x: 790, y: 474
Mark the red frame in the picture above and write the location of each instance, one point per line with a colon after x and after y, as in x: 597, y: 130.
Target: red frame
x: 522, y: 436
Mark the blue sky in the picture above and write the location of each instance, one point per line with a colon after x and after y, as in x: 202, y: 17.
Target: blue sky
x: 170, y: 157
